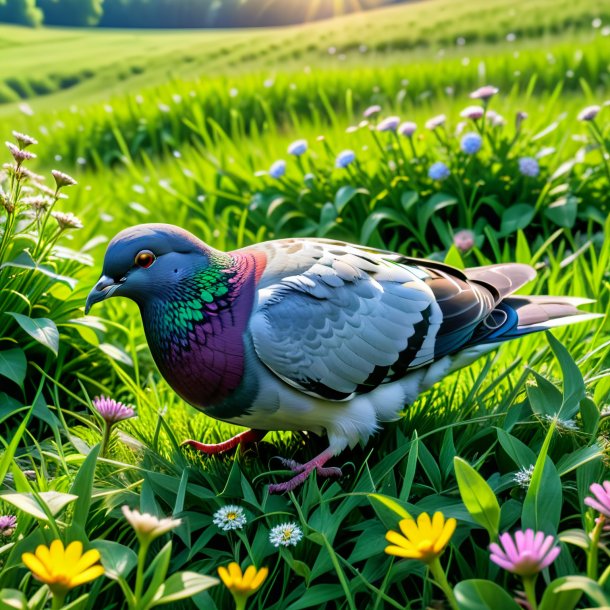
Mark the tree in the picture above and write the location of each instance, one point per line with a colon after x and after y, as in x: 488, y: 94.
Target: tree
x: 23, y: 12
x: 80, y: 13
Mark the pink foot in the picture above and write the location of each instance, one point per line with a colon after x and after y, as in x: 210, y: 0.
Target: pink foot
x: 243, y: 438
x: 305, y: 470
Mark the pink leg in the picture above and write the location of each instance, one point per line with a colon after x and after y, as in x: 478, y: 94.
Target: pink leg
x: 304, y: 471
x: 243, y: 438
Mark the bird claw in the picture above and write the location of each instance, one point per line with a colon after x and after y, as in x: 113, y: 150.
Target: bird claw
x: 304, y: 470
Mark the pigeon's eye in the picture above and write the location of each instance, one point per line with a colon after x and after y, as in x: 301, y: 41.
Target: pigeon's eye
x: 144, y: 259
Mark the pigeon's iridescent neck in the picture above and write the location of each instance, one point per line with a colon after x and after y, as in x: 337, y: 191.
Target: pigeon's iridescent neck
x: 195, y: 330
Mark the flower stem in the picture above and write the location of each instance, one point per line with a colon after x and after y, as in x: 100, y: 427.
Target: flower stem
x: 529, y: 583
x: 140, y: 571
x: 441, y: 580
x: 240, y: 602
x: 106, y: 438
x: 592, y: 555
x: 58, y: 601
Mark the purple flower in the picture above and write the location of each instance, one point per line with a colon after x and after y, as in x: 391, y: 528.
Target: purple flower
x: 527, y: 554
x: 436, y: 121
x: 297, y: 148
x: 438, y: 171
x: 463, y: 240
x: 519, y: 118
x: 344, y: 158
x: 8, y: 523
x: 473, y: 113
x: 111, y: 410
x: 390, y: 123
x: 528, y: 166
x: 484, y: 93
x: 601, y: 501
x: 371, y: 111
x: 278, y: 169
x: 408, y: 128
x: 471, y: 143
x: 589, y: 113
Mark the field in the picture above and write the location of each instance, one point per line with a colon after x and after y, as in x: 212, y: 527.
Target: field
x: 194, y: 128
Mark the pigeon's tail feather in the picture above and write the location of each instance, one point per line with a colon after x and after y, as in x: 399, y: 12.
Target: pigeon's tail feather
x: 517, y: 316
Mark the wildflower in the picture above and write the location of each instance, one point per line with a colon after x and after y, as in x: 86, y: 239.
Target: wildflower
x: 601, y: 500
x: 520, y: 116
x: 438, y: 171
x: 528, y: 166
x: 526, y: 555
x: 495, y: 119
x: 24, y: 140
x: 286, y: 534
x: 242, y: 585
x: 589, y: 113
x: 67, y: 220
x: 39, y: 203
x: 62, y: 179
x: 278, y: 169
x: 298, y: 148
x: 408, y: 128
x: 471, y: 143
x: 148, y: 527
x: 474, y: 113
x: 566, y: 425
x: 436, y: 121
x: 111, y: 410
x: 62, y: 568
x: 390, y: 123
x: 484, y: 93
x: 523, y: 476
x: 8, y: 523
x: 344, y: 158
x: 463, y: 240
x: 230, y: 517
x: 18, y: 154
x: 371, y: 111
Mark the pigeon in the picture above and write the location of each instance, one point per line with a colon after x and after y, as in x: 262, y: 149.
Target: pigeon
x: 316, y: 335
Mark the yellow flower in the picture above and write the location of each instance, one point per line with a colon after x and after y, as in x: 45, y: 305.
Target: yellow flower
x: 242, y: 585
x: 424, y: 540
x: 63, y: 568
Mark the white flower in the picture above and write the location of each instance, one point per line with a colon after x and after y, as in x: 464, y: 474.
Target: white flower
x: 286, y: 534
x: 297, y: 148
x: 230, y: 517
x: 148, y: 527
x: 390, y: 123
x: 436, y: 121
x: 563, y: 425
x: 523, y: 476
x: 589, y: 113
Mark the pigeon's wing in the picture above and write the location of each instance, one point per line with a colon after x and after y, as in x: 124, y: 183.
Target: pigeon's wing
x: 334, y: 320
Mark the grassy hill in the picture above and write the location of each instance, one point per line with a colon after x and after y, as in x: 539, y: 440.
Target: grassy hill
x: 62, y: 66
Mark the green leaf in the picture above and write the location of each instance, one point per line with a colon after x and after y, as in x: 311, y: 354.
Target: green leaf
x: 42, y: 330
x: 182, y: 585
x: 591, y: 588
x: 517, y: 216
x: 118, y: 560
x: 437, y: 202
x: 578, y: 458
x: 408, y: 199
x: 115, y: 353
x: 454, y: 258
x: 9, y: 452
x: 563, y: 211
x: 390, y: 503
x: 483, y: 595
x: 543, y: 501
x: 518, y: 451
x: 82, y: 487
x: 478, y: 497
x: 345, y: 194
x: 25, y: 261
x: 13, y: 599
x: 590, y: 415
x: 316, y: 596
x: 13, y: 364
x: 79, y: 603
x: 545, y: 398
x: 556, y: 598
x: 158, y: 567
x: 28, y: 503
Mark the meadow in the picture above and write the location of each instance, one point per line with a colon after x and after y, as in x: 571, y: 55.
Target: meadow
x: 195, y: 128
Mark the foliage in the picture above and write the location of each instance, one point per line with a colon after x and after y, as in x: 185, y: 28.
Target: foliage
x: 24, y: 12
x: 77, y: 13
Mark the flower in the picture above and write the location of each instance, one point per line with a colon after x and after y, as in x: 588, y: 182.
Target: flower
x: 18, y: 154
x: 297, y: 148
x: 38, y: 203
x: 528, y: 166
x: 62, y: 179
x: 371, y: 110
x: 111, y: 410
x: 495, y: 119
x: 24, y: 140
x: 147, y: 526
x: 230, y: 517
x: 67, y: 220
x: 463, y: 240
x: 601, y: 500
x: 523, y: 476
x: 484, y: 93
x: 344, y: 158
x: 63, y: 568
x: 242, y: 585
x: 520, y: 116
x: 278, y: 169
x: 438, y: 171
x: 407, y: 128
x: 8, y: 523
x: 286, y: 534
x: 390, y: 123
x: 424, y: 539
x: 471, y: 143
x: 589, y: 113
x: 529, y: 553
x: 436, y: 121
x: 473, y: 112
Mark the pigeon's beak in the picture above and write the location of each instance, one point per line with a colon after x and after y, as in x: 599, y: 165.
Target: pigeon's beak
x: 102, y: 290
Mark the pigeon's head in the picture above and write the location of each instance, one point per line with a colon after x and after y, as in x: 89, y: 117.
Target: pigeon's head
x: 143, y: 261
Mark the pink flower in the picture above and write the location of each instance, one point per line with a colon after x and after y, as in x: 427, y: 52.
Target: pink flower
x: 601, y: 501
x: 473, y: 112
x: 111, y: 410
x: 527, y: 554
x: 589, y: 113
x: 390, y: 123
x: 463, y: 240
x: 407, y: 128
x: 484, y: 93
x: 436, y: 121
x: 371, y: 111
